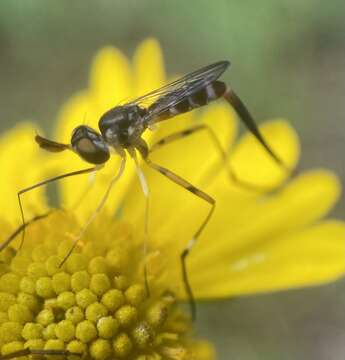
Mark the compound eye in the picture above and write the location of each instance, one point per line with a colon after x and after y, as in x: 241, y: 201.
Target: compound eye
x: 89, y: 145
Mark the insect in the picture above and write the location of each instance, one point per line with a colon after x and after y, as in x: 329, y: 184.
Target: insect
x: 121, y: 129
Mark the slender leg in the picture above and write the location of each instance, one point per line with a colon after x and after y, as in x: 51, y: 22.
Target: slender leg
x: 97, y: 211
x: 42, y: 183
x: 218, y: 146
x: 26, y: 352
x: 145, y: 189
x: 21, y: 228
x: 202, y: 195
x: 42, y: 216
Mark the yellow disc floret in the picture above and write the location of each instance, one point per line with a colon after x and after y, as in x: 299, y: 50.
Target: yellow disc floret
x: 66, y: 300
x: 32, y: 331
x: 107, y: 327
x: 95, y: 304
x: 80, y: 280
x: 9, y: 283
x: 85, y: 297
x: 100, y: 349
x: 6, y: 300
x: 86, y: 331
x: 61, y: 282
x: 100, y: 284
x: 49, y: 331
x: 74, y: 314
x: 113, y: 299
x: 45, y: 317
x: 19, y: 313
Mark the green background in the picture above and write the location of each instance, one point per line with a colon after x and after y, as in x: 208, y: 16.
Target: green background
x: 287, y: 61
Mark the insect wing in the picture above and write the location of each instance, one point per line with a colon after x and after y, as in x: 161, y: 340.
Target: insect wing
x: 157, y: 101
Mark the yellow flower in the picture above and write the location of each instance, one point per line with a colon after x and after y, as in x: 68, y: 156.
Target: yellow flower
x: 252, y: 244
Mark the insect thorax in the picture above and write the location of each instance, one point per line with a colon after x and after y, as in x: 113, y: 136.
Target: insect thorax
x: 123, y: 125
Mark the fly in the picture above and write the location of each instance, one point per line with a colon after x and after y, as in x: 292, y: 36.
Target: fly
x: 121, y: 129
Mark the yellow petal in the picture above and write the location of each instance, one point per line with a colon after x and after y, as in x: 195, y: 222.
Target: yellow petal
x: 23, y: 166
x: 148, y: 67
x: 223, y: 121
x: 311, y: 256
x: 110, y: 80
x: 253, y: 164
x: 240, y: 225
x: 76, y: 111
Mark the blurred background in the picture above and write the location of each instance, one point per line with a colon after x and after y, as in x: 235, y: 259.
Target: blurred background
x: 288, y: 60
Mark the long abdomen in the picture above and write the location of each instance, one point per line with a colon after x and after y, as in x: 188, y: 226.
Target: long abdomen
x: 204, y: 96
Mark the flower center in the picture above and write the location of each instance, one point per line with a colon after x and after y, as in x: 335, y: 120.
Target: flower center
x: 95, y: 304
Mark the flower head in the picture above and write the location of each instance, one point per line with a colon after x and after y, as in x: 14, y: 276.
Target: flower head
x: 96, y: 303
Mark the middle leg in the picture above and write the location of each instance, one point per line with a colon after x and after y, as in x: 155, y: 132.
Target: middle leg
x: 197, y: 192
x: 145, y: 190
x: 218, y: 146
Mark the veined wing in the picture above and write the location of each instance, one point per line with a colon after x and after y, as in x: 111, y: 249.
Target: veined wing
x: 159, y: 100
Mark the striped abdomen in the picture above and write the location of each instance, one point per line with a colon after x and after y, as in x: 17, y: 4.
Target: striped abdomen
x: 204, y: 96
